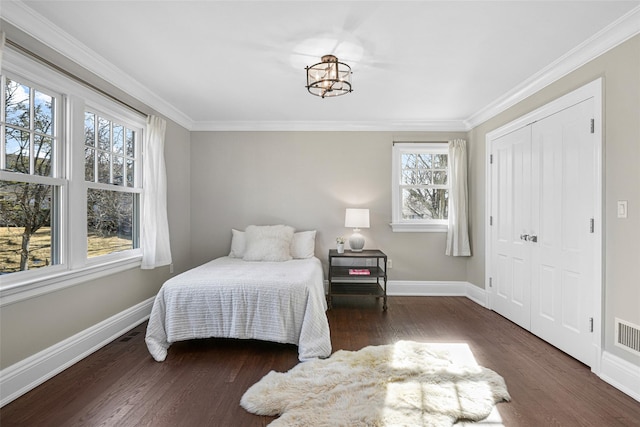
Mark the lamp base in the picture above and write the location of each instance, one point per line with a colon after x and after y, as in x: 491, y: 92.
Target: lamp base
x: 356, y: 241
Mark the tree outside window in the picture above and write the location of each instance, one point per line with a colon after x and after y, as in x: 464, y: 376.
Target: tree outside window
x: 424, y: 185
x: 31, y: 185
x: 26, y: 206
x: 420, y: 187
x: 110, y: 171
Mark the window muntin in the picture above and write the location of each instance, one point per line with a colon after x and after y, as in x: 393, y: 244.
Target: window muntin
x: 110, y: 151
x: 28, y: 129
x: 420, y: 187
x: 29, y: 184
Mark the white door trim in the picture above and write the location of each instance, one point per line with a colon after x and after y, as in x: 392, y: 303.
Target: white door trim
x: 590, y: 90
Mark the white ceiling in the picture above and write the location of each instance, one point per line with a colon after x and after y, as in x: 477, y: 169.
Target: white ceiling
x: 417, y: 65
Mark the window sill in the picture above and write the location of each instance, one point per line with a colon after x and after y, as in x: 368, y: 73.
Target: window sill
x: 43, y: 284
x: 418, y: 228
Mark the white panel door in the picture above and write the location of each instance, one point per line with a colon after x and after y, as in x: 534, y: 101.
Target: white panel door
x: 511, y: 218
x: 563, y: 204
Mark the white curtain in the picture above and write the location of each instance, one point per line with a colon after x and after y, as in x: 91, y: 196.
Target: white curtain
x: 458, y: 233
x: 155, y: 226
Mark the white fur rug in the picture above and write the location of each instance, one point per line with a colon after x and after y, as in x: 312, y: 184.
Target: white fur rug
x: 404, y: 384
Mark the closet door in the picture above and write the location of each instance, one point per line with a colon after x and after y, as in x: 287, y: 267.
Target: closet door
x: 563, y: 204
x: 511, y: 218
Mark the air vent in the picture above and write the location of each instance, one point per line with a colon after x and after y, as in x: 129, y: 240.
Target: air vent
x: 628, y: 336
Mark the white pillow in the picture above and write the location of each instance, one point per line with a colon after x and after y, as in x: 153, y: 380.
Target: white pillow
x: 238, y: 244
x: 303, y: 244
x: 268, y: 243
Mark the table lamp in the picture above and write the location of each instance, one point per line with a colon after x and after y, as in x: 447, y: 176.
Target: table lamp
x: 356, y: 219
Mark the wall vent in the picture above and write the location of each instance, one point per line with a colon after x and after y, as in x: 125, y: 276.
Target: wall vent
x: 628, y: 336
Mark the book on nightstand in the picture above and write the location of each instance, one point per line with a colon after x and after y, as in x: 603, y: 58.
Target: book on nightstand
x: 359, y: 271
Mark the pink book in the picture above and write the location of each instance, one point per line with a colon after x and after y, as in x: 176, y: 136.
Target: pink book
x: 359, y: 272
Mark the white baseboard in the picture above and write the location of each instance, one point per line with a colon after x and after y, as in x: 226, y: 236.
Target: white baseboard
x: 422, y: 288
x: 621, y: 374
x: 431, y: 288
x: 477, y: 295
x: 425, y: 288
x: 21, y: 377
x: 27, y: 374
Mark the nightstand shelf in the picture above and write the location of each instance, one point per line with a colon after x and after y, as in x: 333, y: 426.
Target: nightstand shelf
x: 342, y: 281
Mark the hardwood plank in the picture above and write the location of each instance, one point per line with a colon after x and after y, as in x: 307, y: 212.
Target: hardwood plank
x: 202, y: 381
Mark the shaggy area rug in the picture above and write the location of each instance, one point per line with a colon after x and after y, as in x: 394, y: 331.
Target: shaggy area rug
x: 404, y: 384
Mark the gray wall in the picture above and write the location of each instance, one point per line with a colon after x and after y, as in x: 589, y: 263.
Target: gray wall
x: 306, y: 180
x: 223, y: 180
x: 620, y: 68
x: 32, y: 325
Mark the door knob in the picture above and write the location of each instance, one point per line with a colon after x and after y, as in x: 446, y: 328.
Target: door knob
x: 524, y: 237
x: 532, y: 238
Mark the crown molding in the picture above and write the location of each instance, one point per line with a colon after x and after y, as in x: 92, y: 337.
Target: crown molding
x: 362, y: 126
x: 611, y: 36
x: 26, y: 19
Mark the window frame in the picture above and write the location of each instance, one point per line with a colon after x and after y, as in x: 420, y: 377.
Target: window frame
x: 74, y: 265
x: 104, y: 112
x: 56, y: 179
x: 399, y: 224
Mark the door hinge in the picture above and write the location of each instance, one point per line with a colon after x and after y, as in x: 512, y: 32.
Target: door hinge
x: 591, y: 324
x: 490, y: 159
x: 491, y: 282
x: 592, y: 225
x: 491, y: 220
x: 593, y: 125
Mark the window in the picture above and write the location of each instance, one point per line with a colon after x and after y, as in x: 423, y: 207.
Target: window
x: 70, y: 180
x: 111, y: 171
x: 30, y: 187
x: 421, y: 187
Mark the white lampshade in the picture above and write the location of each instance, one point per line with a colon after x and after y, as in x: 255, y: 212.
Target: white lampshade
x: 356, y: 219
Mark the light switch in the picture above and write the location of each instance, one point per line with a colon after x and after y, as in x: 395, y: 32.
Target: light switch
x: 622, y: 208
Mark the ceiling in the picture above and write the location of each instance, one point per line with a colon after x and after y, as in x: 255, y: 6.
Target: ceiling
x: 417, y: 65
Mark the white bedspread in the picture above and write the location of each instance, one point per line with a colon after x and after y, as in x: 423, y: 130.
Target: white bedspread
x: 228, y: 297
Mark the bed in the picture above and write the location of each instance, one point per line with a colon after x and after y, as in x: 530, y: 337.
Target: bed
x: 231, y: 297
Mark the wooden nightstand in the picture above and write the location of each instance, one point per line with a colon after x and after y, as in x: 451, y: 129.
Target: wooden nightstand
x: 344, y: 280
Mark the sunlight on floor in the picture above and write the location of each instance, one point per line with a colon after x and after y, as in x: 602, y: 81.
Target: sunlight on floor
x: 412, y: 396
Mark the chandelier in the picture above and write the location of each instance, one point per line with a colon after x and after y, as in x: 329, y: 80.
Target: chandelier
x: 329, y: 77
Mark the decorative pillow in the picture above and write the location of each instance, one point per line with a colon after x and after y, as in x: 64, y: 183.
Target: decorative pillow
x: 268, y: 243
x: 238, y: 244
x: 303, y: 244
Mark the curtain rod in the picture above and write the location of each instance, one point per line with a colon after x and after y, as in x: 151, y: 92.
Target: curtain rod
x: 419, y: 142
x: 70, y: 75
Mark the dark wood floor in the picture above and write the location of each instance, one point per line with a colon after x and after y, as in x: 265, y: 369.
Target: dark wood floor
x: 201, y: 382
